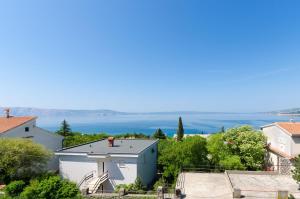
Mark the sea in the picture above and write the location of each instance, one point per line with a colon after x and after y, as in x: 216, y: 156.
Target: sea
x: 194, y: 123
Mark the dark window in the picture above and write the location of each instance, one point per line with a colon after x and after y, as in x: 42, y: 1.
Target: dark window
x: 28, y: 137
x: 26, y: 129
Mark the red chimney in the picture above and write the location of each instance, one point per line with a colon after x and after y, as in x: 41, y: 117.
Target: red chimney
x: 110, y: 141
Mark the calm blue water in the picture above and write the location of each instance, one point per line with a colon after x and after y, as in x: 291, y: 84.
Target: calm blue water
x: 147, y: 124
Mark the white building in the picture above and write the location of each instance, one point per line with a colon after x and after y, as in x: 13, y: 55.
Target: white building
x: 283, y: 144
x: 103, y: 164
x: 25, y: 127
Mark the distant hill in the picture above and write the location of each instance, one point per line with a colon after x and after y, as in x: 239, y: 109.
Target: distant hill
x: 291, y: 111
x: 40, y: 112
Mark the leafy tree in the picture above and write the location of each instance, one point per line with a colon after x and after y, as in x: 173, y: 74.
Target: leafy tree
x: 65, y: 129
x: 21, y: 159
x: 248, y: 144
x: 296, y: 170
x: 217, y: 148
x: 232, y: 162
x: 159, y: 134
x: 14, y: 188
x: 190, y: 153
x: 51, y: 188
x: 180, y: 130
x: 79, y: 138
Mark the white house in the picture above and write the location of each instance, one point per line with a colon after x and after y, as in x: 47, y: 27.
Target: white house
x: 103, y: 164
x: 283, y: 144
x: 25, y: 127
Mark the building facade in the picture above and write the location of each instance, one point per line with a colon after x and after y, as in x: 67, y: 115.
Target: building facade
x: 283, y: 144
x: 101, y: 165
x: 25, y: 127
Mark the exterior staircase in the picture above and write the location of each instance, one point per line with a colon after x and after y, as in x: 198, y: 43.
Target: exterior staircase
x: 92, y: 183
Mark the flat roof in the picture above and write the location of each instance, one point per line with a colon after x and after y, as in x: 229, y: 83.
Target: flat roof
x: 121, y: 146
x: 262, y: 185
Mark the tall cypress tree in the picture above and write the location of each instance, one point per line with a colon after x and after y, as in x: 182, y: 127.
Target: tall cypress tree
x: 180, y: 130
x: 65, y: 129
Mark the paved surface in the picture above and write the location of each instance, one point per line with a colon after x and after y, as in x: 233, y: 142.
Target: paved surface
x: 263, y: 186
x: 206, y: 185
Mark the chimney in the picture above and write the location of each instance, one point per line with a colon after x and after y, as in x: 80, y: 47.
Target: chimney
x: 111, y: 141
x: 7, y: 110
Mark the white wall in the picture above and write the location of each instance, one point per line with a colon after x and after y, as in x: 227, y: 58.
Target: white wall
x: 50, y: 140
x: 295, y: 146
x: 121, y: 170
x: 147, y: 165
x: 279, y: 139
x: 75, y: 168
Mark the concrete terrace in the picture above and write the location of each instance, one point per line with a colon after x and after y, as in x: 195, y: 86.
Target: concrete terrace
x: 206, y: 185
x: 262, y: 185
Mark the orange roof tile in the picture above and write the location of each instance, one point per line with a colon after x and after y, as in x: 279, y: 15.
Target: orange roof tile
x: 13, y: 122
x: 291, y: 127
x: 279, y: 152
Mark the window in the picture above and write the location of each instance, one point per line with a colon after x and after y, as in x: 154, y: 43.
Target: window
x: 26, y: 129
x: 28, y: 137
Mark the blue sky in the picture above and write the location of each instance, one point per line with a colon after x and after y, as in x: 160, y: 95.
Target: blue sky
x: 142, y: 55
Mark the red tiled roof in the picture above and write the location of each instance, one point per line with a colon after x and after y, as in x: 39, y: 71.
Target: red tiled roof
x: 13, y: 122
x: 279, y: 152
x: 291, y: 127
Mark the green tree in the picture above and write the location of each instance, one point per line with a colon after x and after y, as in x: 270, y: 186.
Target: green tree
x: 65, y: 129
x: 51, y: 188
x: 190, y: 153
x: 217, y: 148
x: 296, y: 170
x: 159, y: 134
x: 222, y: 129
x: 180, y: 130
x: 248, y: 144
x: 232, y: 162
x: 21, y: 159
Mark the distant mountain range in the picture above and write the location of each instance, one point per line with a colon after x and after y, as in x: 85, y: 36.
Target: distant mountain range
x: 40, y: 112
x: 100, y: 113
x: 292, y: 111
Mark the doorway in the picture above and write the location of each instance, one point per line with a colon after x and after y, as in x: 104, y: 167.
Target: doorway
x: 100, y: 168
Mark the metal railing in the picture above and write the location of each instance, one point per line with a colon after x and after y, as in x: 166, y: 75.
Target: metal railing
x: 99, y: 181
x: 86, y: 177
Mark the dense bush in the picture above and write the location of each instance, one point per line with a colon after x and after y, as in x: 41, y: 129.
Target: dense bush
x: 191, y: 152
x: 51, y: 188
x: 21, y: 159
x: 136, y: 187
x: 14, y: 188
x: 238, y: 148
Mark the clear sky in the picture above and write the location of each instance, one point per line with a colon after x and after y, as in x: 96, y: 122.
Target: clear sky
x: 163, y: 55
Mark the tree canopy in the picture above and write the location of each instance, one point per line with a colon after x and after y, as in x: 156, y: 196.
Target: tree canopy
x: 238, y: 148
x: 159, y: 134
x: 173, y: 156
x: 21, y: 159
x: 65, y: 129
x: 296, y: 170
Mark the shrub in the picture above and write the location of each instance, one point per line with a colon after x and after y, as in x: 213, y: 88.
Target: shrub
x: 51, y: 188
x: 14, y: 188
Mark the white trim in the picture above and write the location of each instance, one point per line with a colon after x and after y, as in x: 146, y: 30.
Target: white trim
x: 124, y: 155
x: 97, y: 156
x: 78, y: 154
